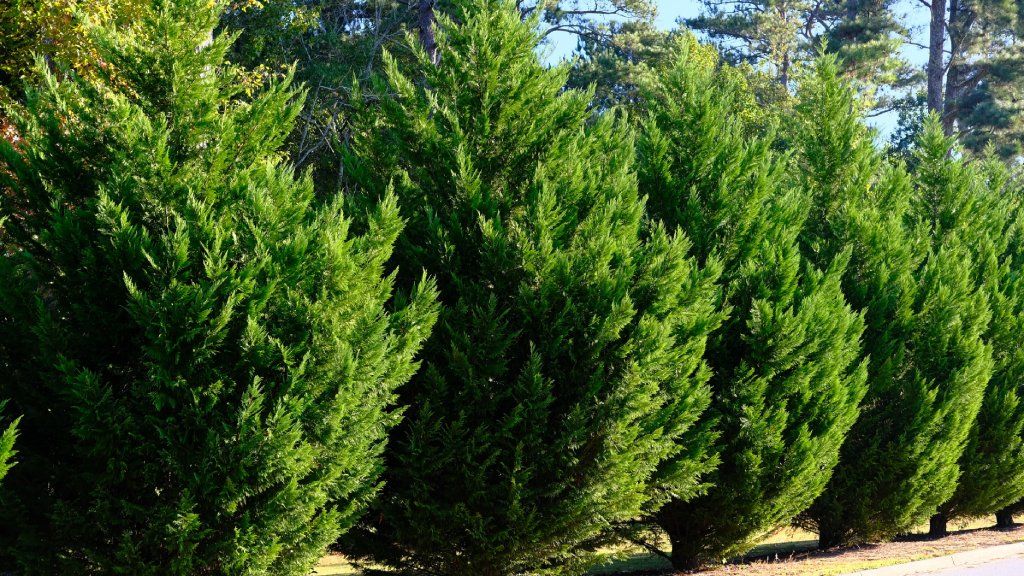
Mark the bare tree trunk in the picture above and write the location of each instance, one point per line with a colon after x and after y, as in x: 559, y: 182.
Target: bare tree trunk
x: 427, y: 21
x: 684, y: 555
x: 937, y: 525
x: 950, y: 99
x: 936, y: 61
x: 949, y: 109
x: 1004, y: 519
x: 829, y: 538
x: 684, y: 536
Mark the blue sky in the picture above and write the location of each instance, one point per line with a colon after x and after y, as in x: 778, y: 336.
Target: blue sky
x: 670, y: 11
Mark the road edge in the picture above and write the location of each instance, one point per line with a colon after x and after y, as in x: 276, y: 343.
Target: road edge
x: 958, y: 560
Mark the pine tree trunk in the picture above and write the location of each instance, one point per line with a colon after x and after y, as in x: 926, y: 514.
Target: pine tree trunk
x: 937, y: 525
x: 952, y: 94
x: 828, y: 538
x: 686, y: 544
x: 1004, y: 519
x: 684, y: 557
x: 426, y: 21
x: 784, y: 71
x: 936, y: 62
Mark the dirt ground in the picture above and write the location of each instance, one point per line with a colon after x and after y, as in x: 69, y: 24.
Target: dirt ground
x: 792, y: 553
x: 843, y: 561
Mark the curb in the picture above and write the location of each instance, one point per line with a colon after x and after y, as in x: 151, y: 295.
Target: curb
x: 959, y: 560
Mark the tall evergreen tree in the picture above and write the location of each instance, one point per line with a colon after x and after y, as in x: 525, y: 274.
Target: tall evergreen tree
x: 974, y: 72
x: 568, y: 362
x: 612, y: 63
x: 203, y: 355
x: 926, y: 316
x: 787, y: 370
x: 985, y: 210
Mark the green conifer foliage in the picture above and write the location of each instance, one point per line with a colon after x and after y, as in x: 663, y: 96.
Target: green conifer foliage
x: 926, y: 315
x: 787, y: 370
x: 568, y: 360
x: 984, y: 206
x: 7, y: 451
x: 203, y: 355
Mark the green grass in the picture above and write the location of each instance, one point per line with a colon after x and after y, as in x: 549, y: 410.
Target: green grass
x: 781, y: 544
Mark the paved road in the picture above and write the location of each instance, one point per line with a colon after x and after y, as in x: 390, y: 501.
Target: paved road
x: 1005, y: 567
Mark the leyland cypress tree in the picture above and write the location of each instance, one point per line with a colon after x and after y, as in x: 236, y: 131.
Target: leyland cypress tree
x: 787, y: 370
x: 926, y: 315
x: 977, y: 201
x: 567, y: 364
x: 203, y: 354
x: 1001, y: 413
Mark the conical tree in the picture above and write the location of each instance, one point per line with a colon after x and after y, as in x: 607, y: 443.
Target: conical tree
x: 568, y: 360
x: 925, y: 313
x: 203, y: 355
x: 977, y: 202
x: 787, y: 370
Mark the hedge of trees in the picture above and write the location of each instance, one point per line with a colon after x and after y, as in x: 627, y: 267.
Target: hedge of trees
x: 525, y: 328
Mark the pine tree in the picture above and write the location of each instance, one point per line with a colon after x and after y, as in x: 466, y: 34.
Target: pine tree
x: 925, y: 313
x: 982, y: 208
x: 568, y: 360
x: 612, y: 62
x: 779, y: 36
x: 203, y: 355
x: 974, y: 71
x: 787, y: 374
x: 614, y: 65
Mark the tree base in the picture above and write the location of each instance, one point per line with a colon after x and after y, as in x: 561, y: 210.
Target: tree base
x: 827, y: 541
x: 937, y: 526
x: 1004, y: 519
x: 684, y: 563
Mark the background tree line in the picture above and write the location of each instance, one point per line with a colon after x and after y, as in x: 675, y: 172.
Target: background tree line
x: 967, y: 70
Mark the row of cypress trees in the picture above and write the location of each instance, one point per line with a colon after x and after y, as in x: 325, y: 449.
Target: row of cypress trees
x: 524, y: 331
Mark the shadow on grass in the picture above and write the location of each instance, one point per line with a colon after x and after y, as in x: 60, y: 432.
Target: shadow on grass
x: 648, y: 564
x: 969, y: 527
x: 797, y: 546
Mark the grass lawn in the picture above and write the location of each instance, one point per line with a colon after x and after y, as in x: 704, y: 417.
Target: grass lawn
x: 335, y: 565
x: 783, y: 543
